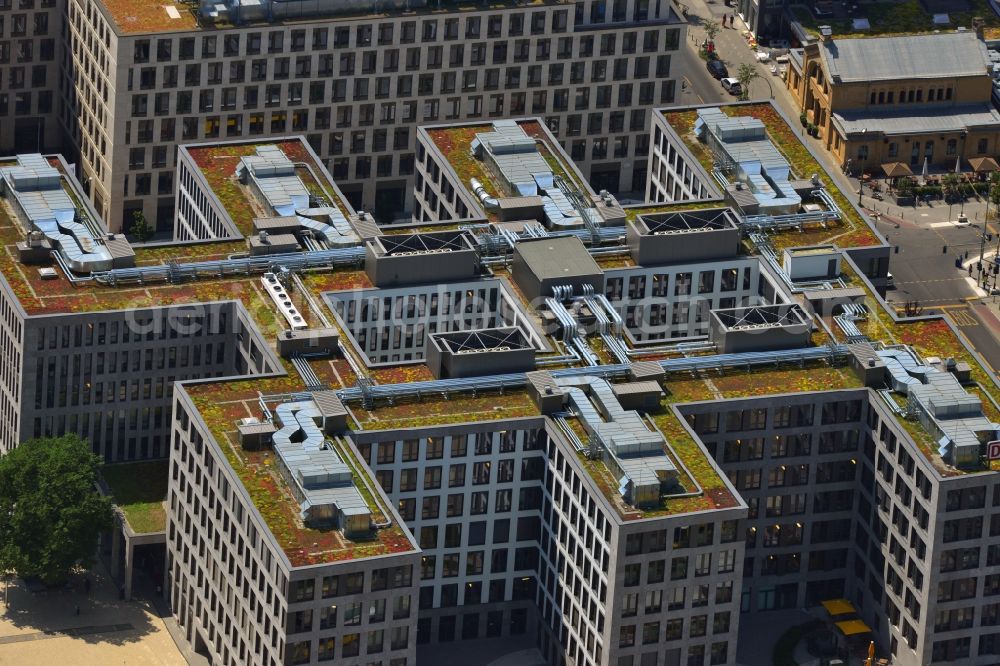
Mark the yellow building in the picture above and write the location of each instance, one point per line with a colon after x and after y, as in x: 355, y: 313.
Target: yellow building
x: 899, y: 99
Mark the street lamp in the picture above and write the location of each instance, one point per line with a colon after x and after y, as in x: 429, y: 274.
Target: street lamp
x: 769, y: 87
x: 862, y: 158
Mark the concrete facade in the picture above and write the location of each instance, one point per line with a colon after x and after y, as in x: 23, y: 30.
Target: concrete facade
x: 596, y: 87
x: 31, y: 48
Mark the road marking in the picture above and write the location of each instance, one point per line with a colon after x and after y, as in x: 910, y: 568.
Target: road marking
x: 963, y: 319
x: 909, y: 282
x: 690, y: 89
x: 953, y: 223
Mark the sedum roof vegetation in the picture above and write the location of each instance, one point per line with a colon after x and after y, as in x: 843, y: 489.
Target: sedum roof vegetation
x: 851, y: 231
x: 218, y: 164
x: 900, y: 17
x: 222, y: 403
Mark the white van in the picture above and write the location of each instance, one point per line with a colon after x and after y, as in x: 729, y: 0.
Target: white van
x: 732, y: 86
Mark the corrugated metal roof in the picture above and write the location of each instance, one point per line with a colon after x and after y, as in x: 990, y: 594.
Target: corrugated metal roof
x: 919, y: 120
x: 631, y: 388
x: 328, y: 403
x: 905, y: 57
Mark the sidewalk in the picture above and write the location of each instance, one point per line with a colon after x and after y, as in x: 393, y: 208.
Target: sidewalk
x: 66, y: 624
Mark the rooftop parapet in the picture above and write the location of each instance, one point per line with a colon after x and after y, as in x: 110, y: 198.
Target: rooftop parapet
x: 529, y: 187
x: 950, y: 413
x: 633, y: 452
x: 271, y: 176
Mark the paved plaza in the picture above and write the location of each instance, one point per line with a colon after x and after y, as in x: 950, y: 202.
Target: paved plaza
x: 45, y: 628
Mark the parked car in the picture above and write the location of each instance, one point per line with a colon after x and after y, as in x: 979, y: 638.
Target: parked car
x: 732, y: 86
x: 717, y: 69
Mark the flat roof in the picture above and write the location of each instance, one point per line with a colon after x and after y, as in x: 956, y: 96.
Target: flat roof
x: 222, y: 404
x: 218, y: 163
x: 139, y: 490
x: 556, y: 257
x: 133, y: 17
x: 455, y: 142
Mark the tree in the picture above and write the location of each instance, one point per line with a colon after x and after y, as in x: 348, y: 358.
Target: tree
x: 746, y: 75
x: 950, y: 186
x: 712, y: 29
x: 141, y: 228
x: 50, y: 510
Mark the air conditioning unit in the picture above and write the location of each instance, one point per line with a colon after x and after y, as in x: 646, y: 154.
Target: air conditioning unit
x: 284, y: 302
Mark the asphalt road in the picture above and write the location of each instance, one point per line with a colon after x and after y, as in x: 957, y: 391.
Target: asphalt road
x: 925, y: 273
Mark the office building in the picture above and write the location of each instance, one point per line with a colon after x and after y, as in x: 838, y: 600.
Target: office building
x: 31, y: 48
x: 544, y: 421
x: 141, y: 79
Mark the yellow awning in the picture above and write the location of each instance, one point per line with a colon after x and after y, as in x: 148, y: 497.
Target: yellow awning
x: 853, y: 627
x: 837, y: 607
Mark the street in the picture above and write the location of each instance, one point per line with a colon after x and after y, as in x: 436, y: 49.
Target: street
x: 926, y: 274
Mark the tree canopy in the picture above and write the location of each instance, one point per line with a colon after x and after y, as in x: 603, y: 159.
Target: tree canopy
x: 141, y: 228
x: 50, y: 510
x: 746, y: 75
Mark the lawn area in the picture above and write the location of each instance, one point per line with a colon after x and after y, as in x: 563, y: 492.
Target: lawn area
x: 906, y: 17
x: 139, y: 490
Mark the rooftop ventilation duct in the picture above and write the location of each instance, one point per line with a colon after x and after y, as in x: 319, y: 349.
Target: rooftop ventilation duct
x: 321, y: 481
x: 43, y: 205
x: 273, y: 179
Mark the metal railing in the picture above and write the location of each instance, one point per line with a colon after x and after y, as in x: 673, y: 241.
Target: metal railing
x: 748, y: 360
